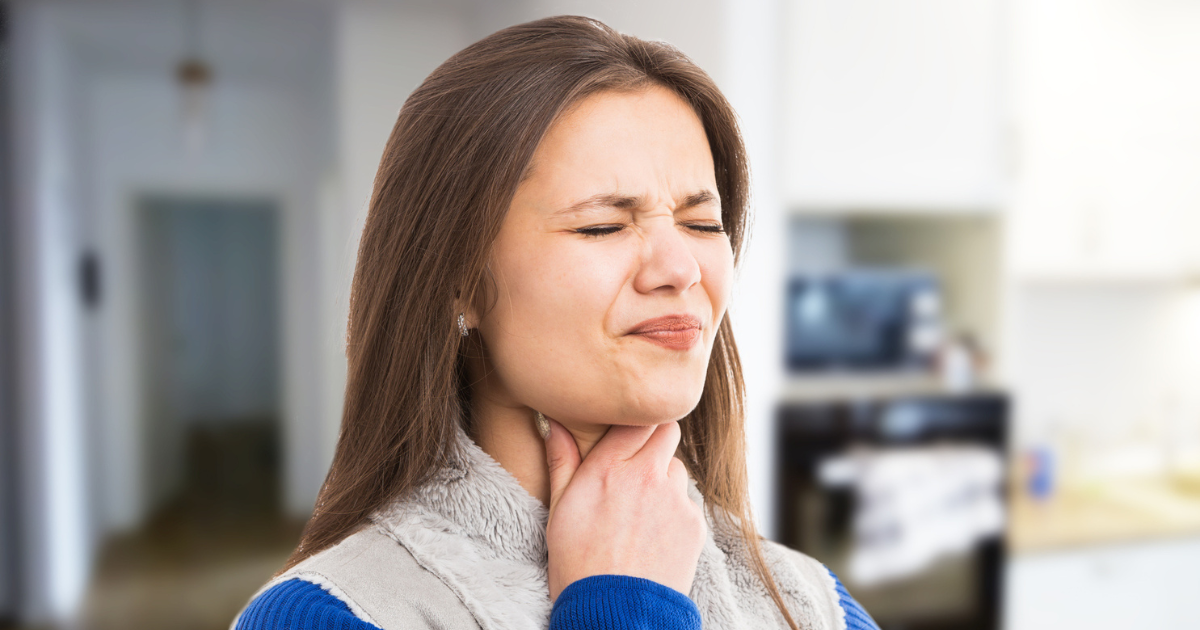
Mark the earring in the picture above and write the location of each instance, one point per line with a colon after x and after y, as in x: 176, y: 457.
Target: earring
x: 462, y: 325
x: 543, y: 426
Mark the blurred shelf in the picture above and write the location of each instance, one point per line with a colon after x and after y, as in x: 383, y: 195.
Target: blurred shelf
x: 1113, y: 512
x: 836, y: 386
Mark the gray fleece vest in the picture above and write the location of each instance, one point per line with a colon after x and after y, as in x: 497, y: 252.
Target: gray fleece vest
x: 467, y: 550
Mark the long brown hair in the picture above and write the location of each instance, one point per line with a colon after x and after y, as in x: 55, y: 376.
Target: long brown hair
x: 456, y: 154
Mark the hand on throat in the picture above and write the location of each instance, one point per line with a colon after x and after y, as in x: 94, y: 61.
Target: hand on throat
x: 504, y: 429
x: 509, y: 435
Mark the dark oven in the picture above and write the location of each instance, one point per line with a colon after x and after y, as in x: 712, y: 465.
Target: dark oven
x: 820, y: 514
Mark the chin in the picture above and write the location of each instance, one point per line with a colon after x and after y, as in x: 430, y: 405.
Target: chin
x: 656, y: 408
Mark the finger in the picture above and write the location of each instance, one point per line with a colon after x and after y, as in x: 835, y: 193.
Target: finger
x: 677, y: 473
x: 676, y: 469
x: 621, y: 442
x: 562, y: 457
x: 660, y: 448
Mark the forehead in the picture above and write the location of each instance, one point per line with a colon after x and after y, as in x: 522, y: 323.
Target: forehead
x: 624, y: 140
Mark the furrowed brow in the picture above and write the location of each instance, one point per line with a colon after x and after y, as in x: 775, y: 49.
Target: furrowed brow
x: 699, y: 198
x: 605, y: 200
x: 626, y: 202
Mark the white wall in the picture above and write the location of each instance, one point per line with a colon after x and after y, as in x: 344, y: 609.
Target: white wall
x: 97, y: 124
x: 699, y: 28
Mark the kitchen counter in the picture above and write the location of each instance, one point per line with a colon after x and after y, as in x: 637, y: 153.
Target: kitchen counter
x: 1109, y: 512
x: 820, y: 387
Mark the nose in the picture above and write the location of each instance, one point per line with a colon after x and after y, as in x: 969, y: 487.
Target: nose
x: 668, y: 263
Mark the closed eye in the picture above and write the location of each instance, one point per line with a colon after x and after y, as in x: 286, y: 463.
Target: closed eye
x: 605, y: 230
x: 600, y: 230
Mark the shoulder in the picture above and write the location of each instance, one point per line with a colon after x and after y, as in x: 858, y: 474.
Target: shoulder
x: 845, y: 606
x: 856, y: 617
x: 296, y: 604
x: 368, y: 578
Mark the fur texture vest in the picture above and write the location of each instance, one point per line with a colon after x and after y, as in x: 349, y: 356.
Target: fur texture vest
x: 468, y: 550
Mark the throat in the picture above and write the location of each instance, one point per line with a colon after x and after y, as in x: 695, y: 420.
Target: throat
x: 510, y: 437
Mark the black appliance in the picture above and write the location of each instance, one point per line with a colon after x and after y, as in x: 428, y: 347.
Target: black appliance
x: 959, y: 592
x: 862, y: 319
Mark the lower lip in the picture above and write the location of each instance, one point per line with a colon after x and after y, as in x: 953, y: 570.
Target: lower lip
x: 672, y: 339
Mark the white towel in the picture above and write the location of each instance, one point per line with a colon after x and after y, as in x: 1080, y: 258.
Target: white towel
x: 916, y: 505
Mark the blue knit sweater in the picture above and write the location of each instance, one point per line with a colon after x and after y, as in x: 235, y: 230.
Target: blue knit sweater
x: 600, y: 602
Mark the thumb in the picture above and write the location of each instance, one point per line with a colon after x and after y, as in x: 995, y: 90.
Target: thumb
x: 562, y: 456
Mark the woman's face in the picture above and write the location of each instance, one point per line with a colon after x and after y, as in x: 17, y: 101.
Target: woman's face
x: 612, y: 269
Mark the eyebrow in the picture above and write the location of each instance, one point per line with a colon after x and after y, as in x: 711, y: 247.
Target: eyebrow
x: 626, y: 202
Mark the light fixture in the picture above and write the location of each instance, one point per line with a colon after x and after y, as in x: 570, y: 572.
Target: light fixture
x: 194, y: 76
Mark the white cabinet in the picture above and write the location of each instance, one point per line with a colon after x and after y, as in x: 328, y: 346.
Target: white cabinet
x: 892, y: 104
x: 1107, y: 115
x: 1147, y: 585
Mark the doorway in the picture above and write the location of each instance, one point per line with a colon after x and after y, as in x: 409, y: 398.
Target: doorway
x: 210, y: 336
x: 210, y: 351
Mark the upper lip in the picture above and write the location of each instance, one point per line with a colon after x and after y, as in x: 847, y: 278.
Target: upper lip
x: 667, y: 322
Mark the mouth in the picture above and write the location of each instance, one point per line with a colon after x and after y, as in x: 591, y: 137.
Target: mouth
x: 674, y: 332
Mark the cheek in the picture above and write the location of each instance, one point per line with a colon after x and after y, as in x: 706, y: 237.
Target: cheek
x: 716, y: 274
x: 559, y: 290
x: 547, y: 333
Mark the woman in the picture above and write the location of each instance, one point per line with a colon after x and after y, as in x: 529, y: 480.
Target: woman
x: 543, y: 417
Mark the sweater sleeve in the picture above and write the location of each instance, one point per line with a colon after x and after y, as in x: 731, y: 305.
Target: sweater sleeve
x: 600, y: 602
x: 299, y: 605
x: 622, y: 602
x: 856, y: 617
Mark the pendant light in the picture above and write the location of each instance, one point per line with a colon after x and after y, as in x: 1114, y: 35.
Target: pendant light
x: 194, y: 77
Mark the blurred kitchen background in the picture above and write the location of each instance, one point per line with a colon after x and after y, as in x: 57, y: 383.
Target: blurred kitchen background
x: 969, y: 312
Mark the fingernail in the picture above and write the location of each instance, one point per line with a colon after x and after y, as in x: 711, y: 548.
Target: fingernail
x: 543, y: 425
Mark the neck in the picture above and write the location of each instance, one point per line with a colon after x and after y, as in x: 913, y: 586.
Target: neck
x: 504, y: 429
x: 508, y: 434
